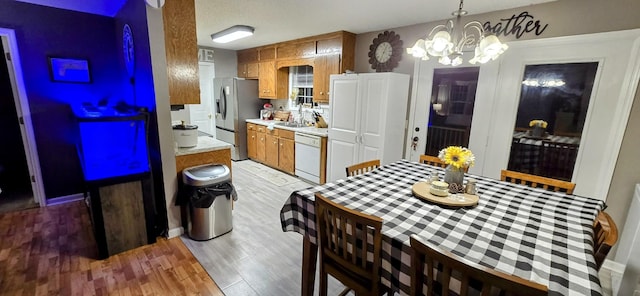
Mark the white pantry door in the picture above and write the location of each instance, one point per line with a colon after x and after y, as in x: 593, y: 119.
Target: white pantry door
x: 374, y: 93
x: 343, y: 126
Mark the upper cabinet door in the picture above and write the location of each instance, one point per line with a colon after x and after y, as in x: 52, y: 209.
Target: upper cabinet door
x: 181, y: 47
x: 324, y: 66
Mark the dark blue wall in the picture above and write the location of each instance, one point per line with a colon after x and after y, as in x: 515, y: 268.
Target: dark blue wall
x: 42, y: 32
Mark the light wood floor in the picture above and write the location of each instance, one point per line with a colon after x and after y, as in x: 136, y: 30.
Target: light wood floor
x: 49, y: 251
x: 257, y: 257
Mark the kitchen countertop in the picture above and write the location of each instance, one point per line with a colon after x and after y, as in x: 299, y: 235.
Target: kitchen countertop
x: 205, y: 144
x: 311, y: 130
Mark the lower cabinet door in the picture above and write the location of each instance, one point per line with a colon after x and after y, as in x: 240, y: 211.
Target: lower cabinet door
x: 252, y: 142
x: 287, y: 156
x: 271, y: 150
x: 261, y: 147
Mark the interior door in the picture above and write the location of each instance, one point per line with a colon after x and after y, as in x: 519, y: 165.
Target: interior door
x: 202, y: 114
x: 343, y: 125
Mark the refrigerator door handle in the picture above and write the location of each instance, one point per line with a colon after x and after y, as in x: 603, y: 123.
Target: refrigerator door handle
x: 223, y: 98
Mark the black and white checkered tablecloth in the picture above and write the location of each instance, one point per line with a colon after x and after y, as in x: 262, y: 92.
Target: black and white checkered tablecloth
x: 535, y: 234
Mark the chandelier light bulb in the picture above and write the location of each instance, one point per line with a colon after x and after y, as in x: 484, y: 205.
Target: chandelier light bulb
x: 418, y: 50
x: 441, y: 41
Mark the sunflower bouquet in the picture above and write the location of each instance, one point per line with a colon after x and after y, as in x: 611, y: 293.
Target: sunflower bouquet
x: 538, y: 123
x: 457, y: 157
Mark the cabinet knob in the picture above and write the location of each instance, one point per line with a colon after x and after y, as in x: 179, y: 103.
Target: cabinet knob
x: 322, y: 93
x: 280, y: 145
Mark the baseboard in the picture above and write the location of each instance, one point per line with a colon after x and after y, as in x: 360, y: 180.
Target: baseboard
x: 613, y: 266
x: 64, y: 199
x: 175, y: 232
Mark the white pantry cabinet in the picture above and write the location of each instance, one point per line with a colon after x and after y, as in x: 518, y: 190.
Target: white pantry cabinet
x: 367, y: 119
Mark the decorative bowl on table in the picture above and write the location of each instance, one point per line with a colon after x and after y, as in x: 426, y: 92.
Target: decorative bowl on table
x: 439, y: 188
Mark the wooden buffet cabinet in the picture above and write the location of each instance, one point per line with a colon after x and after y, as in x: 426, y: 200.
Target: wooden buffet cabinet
x: 275, y: 148
x: 179, y: 18
x: 328, y: 54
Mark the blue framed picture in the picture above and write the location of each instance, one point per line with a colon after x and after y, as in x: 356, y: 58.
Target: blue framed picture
x: 69, y: 70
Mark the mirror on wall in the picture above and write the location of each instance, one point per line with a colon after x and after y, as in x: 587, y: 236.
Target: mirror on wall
x: 554, y: 99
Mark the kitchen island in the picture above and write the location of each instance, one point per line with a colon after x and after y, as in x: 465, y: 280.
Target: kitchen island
x: 208, y: 150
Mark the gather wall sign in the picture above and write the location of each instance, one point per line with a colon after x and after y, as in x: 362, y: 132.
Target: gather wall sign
x: 516, y: 25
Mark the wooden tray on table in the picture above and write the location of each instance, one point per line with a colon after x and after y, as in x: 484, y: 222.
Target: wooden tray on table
x: 421, y: 191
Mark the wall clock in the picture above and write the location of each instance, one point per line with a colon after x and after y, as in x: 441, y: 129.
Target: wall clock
x: 127, y: 49
x: 385, y: 51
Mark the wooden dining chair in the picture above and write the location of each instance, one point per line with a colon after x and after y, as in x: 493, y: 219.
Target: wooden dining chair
x: 605, y: 234
x: 344, y: 235
x: 471, y: 275
x: 432, y: 160
x: 363, y: 167
x: 435, y: 161
x: 537, y: 181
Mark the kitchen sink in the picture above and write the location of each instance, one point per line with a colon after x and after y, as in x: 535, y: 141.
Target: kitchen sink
x: 289, y: 124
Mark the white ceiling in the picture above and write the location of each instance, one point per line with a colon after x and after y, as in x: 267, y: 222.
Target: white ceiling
x: 282, y: 20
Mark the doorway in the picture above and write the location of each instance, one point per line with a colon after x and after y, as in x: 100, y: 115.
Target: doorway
x: 15, y: 181
x: 202, y: 114
x: 451, y: 108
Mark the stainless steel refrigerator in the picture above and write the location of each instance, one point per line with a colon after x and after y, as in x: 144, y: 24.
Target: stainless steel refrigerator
x: 236, y: 100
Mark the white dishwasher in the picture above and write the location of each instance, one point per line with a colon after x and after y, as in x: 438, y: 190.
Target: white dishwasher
x: 308, y: 157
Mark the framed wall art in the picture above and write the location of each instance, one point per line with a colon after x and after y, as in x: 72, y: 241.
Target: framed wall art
x: 69, y: 70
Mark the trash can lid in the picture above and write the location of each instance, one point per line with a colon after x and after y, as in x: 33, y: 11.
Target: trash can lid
x: 205, y: 175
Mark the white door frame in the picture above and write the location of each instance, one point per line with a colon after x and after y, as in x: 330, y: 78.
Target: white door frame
x: 421, y: 104
x: 206, y: 105
x: 22, y: 107
x: 601, y: 139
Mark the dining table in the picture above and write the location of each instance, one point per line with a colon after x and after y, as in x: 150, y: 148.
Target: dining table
x: 539, y: 235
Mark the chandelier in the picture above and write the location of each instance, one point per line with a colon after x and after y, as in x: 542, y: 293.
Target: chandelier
x: 447, y: 41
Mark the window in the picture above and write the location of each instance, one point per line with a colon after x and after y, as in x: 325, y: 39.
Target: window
x: 558, y: 95
x: 300, y: 85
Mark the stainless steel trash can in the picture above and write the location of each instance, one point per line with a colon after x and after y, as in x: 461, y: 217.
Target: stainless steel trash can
x: 210, y: 200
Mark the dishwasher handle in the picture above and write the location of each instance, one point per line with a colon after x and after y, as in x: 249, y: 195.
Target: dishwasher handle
x: 307, y: 139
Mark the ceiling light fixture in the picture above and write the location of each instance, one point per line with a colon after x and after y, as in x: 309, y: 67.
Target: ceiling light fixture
x: 447, y: 42
x: 234, y: 33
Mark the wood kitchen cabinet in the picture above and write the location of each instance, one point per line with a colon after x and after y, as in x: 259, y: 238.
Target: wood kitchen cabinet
x: 248, y: 71
x: 324, y: 66
x: 248, y: 63
x: 261, y: 144
x: 252, y: 141
x: 271, y: 150
x: 275, y: 148
x: 286, y: 152
x: 272, y: 82
x: 179, y: 18
x: 331, y: 53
